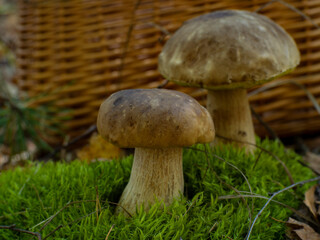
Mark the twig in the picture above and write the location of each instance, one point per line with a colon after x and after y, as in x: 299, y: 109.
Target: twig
x: 283, y: 82
x: 109, y: 232
x: 264, y: 6
x: 264, y: 124
x: 13, y: 228
x: 291, y: 7
x: 257, y: 160
x: 275, y: 194
x: 162, y: 85
x: 162, y: 29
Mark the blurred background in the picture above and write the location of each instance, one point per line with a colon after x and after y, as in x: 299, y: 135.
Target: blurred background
x: 59, y: 59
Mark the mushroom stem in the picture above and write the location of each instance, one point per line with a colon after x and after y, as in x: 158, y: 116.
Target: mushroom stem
x: 230, y: 111
x: 156, y: 174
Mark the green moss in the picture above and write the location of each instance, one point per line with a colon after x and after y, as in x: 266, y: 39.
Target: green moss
x: 32, y: 194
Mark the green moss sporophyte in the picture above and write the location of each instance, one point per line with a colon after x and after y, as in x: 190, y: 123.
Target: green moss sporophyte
x: 158, y: 123
x: 227, y: 52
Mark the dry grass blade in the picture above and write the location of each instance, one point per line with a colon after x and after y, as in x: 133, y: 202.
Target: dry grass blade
x: 109, y: 232
x: 213, y: 226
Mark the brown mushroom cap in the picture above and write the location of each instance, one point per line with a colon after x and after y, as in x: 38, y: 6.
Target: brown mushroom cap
x: 228, y: 49
x: 154, y: 118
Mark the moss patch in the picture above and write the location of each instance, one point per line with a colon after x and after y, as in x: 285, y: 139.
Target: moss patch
x: 31, y: 195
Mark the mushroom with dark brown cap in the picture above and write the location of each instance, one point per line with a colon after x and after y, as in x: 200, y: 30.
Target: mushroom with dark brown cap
x: 227, y: 52
x: 158, y: 123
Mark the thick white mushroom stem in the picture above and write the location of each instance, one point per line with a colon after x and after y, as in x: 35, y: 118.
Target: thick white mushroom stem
x: 231, y: 114
x: 156, y: 174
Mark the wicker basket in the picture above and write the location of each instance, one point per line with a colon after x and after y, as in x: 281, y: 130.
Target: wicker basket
x: 77, y: 52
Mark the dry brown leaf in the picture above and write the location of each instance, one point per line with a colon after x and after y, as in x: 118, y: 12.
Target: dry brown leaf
x: 313, y: 160
x: 301, y: 231
x: 309, y: 200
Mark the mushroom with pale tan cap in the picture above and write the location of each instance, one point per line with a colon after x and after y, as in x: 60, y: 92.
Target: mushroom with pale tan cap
x: 158, y: 123
x: 227, y: 52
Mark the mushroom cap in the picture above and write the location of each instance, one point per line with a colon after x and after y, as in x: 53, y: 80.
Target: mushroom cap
x: 154, y: 118
x: 228, y: 49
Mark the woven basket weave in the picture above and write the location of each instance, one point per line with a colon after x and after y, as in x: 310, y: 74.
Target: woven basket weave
x: 77, y: 52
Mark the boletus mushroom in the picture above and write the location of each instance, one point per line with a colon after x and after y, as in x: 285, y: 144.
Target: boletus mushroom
x: 227, y: 52
x: 158, y: 123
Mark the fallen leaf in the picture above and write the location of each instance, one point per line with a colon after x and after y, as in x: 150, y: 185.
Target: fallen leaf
x: 99, y: 149
x: 313, y: 160
x: 309, y: 200
x: 301, y: 231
